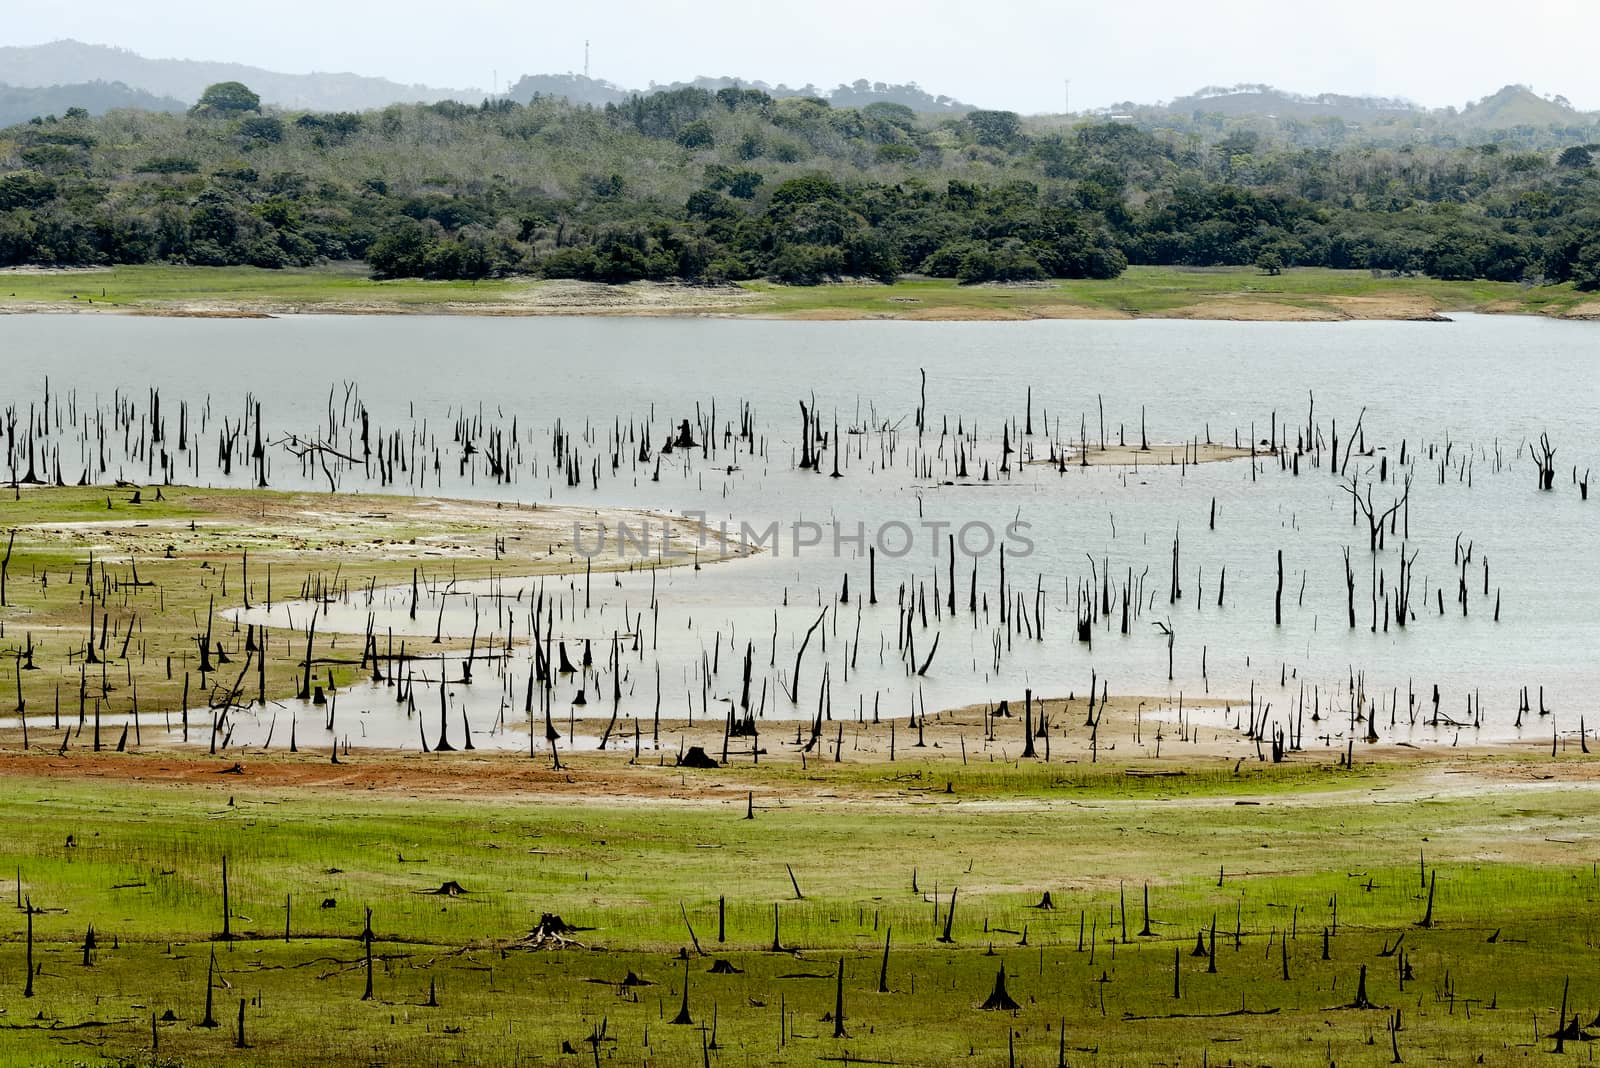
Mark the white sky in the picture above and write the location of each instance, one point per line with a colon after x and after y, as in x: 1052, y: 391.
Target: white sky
x: 996, y: 53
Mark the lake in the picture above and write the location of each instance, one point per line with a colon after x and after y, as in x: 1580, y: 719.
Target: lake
x: 1465, y: 397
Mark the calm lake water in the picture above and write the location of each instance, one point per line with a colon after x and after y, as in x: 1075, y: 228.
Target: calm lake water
x: 1479, y: 388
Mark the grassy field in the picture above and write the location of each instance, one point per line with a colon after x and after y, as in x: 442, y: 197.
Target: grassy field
x: 156, y: 286
x: 1167, y: 291
x: 1142, y: 291
x: 874, y: 856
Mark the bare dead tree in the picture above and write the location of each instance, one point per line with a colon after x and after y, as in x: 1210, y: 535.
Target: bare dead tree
x: 1377, y: 520
x: 1545, y: 459
x: 1166, y: 628
x: 794, y: 686
x: 1402, y: 599
x: 1350, y: 588
x: 5, y: 566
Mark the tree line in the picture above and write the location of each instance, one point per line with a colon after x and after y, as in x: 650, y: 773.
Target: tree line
x: 735, y: 184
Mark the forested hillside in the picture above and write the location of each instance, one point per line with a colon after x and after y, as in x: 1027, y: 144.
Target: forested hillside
x: 18, y: 104
x: 736, y: 184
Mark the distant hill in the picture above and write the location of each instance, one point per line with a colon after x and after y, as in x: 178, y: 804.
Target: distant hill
x: 1514, y: 113
x: 1264, y: 100
x: 580, y: 89
x: 21, y: 103
x: 69, y: 73
x: 859, y: 94
x: 68, y: 62
x: 575, y: 88
x: 183, y: 80
x: 1517, y: 105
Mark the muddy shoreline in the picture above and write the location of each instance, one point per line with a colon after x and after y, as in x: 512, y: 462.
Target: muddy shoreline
x: 1139, y: 739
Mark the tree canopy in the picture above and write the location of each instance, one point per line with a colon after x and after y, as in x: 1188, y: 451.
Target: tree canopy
x: 733, y: 184
x: 227, y: 98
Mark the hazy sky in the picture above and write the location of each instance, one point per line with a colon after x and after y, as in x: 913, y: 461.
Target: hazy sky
x: 998, y: 53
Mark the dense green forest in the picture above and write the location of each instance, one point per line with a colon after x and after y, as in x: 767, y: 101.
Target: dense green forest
x: 733, y: 184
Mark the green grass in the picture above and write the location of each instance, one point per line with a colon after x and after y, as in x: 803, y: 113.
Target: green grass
x: 158, y: 286
x: 145, y: 869
x: 1140, y: 291
x: 1158, y: 290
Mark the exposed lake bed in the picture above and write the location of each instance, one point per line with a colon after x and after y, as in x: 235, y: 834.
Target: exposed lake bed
x: 757, y: 639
